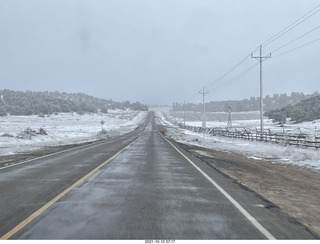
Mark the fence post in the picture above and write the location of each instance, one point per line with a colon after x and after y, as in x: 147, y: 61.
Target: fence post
x: 278, y: 137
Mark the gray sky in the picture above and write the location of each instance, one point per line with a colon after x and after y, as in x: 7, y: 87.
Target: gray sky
x: 156, y: 51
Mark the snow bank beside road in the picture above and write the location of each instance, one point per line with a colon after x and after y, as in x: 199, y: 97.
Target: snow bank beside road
x: 64, y: 129
x: 260, y: 150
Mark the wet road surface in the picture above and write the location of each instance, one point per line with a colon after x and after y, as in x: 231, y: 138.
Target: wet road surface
x: 148, y: 191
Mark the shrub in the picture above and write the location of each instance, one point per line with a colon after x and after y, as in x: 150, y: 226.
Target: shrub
x: 7, y: 135
x: 42, y: 131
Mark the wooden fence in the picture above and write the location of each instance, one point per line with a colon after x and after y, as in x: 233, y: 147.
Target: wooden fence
x: 285, y: 138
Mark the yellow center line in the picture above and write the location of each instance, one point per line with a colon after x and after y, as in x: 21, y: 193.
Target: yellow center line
x: 94, y: 175
x: 88, y: 176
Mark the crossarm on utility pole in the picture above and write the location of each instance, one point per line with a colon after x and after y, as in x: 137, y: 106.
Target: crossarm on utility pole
x: 261, y: 58
x: 203, y: 93
x: 204, y: 111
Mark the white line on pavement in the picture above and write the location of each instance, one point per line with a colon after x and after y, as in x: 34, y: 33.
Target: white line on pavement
x: 248, y: 216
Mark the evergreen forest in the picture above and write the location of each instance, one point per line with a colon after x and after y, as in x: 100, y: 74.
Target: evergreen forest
x: 41, y: 103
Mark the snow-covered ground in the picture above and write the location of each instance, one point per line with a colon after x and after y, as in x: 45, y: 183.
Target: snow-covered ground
x: 64, y: 129
x: 244, y: 120
x: 304, y: 157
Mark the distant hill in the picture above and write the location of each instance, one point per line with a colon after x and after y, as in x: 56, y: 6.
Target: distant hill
x: 253, y: 104
x: 31, y: 102
x: 305, y: 110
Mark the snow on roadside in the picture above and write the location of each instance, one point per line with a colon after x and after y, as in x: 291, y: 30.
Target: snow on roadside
x: 245, y: 120
x: 303, y: 157
x: 66, y: 128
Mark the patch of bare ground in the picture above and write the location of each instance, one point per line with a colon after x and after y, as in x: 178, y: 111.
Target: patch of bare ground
x: 295, y: 190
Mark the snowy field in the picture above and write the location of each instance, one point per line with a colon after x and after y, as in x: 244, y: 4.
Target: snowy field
x: 244, y: 120
x: 63, y: 129
x: 276, y: 153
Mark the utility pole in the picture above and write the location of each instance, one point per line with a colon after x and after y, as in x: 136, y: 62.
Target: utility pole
x: 184, y: 114
x: 203, y: 93
x: 261, y: 58
x: 229, y: 124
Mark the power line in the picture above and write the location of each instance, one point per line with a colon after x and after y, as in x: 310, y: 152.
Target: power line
x: 230, y: 81
x: 291, y: 26
x: 267, y: 42
x: 296, y: 39
x: 221, y: 77
x: 232, y: 69
x: 273, y: 38
x: 195, y: 95
x: 306, y: 44
x: 224, y: 75
x: 228, y: 72
x: 261, y: 58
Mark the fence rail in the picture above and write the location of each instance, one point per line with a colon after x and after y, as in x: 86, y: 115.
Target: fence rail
x: 285, y: 138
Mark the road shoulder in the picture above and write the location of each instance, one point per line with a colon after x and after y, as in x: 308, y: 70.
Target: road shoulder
x: 295, y: 190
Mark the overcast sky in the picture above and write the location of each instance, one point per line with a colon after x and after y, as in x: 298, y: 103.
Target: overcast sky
x: 156, y: 51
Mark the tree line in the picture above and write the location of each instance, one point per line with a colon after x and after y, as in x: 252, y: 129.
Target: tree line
x: 44, y: 102
x: 253, y: 104
x: 305, y: 110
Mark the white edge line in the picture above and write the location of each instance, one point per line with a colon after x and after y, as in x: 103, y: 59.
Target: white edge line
x: 49, y: 155
x: 253, y: 221
x: 87, y: 177
x: 90, y: 143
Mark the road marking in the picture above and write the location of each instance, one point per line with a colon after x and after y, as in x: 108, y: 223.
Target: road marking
x: 248, y: 216
x: 87, y: 177
x: 91, y: 143
x: 94, y: 175
x: 48, y: 155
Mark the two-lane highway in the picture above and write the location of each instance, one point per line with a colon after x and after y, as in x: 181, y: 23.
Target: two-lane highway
x: 148, y: 190
x: 27, y: 186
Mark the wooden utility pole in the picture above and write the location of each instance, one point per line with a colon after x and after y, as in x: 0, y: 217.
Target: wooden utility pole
x: 261, y: 58
x: 203, y: 93
x: 184, y: 114
x: 229, y: 124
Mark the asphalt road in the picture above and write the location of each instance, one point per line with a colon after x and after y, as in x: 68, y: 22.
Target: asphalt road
x: 139, y: 186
